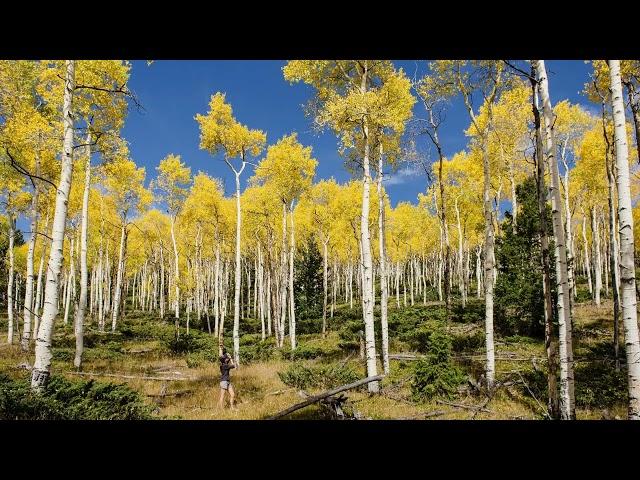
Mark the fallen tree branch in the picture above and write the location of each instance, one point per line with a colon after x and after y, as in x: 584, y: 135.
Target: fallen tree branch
x: 435, y: 413
x: 130, y: 377
x: 317, y: 398
x: 467, y: 407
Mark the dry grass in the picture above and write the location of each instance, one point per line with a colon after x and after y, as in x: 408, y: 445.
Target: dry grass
x: 261, y: 393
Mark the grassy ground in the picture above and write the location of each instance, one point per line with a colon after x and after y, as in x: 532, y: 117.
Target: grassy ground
x: 520, y: 361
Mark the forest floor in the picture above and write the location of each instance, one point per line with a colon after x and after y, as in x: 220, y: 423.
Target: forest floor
x: 181, y: 379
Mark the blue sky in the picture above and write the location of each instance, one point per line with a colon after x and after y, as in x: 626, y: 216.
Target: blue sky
x: 172, y: 92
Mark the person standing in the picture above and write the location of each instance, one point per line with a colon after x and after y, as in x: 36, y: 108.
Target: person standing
x: 226, y: 364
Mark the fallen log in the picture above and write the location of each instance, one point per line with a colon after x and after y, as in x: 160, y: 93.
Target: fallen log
x: 435, y: 413
x: 467, y: 407
x: 129, y: 377
x: 329, y: 393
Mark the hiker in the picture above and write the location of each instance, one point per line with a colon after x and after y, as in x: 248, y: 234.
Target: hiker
x: 226, y: 364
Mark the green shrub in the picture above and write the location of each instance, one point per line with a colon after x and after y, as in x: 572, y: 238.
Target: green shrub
x: 261, y: 351
x: 308, y: 352
x: 63, y: 354
x: 435, y: 375
x: 473, y: 312
x: 320, y: 376
x: 63, y: 399
x: 433, y: 379
x: 429, y: 338
x: 466, y: 342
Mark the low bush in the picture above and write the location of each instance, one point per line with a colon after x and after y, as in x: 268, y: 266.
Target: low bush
x: 319, y: 376
x: 434, y: 375
x: 63, y: 399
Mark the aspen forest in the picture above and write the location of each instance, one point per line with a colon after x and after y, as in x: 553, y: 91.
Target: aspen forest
x: 435, y: 239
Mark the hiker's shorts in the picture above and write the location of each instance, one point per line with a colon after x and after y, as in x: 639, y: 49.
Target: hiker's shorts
x: 225, y: 385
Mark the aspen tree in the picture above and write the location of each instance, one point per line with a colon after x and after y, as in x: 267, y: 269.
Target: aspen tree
x: 567, y: 399
x: 221, y: 132
x: 627, y: 258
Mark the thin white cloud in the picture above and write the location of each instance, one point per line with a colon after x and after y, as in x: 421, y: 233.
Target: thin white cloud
x: 402, y: 176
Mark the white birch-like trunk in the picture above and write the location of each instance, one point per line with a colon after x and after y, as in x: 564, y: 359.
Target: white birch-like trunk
x: 325, y: 284
x: 236, y: 297
x: 29, y: 284
x: 82, y: 305
x: 587, y: 262
x: 118, y: 290
x: 176, y: 277
x: 292, y: 307
x: 367, y: 271
x: 567, y: 400
x: 10, y: 306
x: 627, y: 260
x: 595, y: 234
x: 384, y: 293
x: 41, y: 368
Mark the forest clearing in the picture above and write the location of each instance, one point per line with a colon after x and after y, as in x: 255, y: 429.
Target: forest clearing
x: 456, y: 244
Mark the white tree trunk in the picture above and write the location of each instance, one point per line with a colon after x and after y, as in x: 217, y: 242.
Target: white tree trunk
x: 595, y: 234
x: 627, y: 260
x: 42, y: 364
x: 28, y: 290
x: 118, y: 291
x: 292, y: 307
x: 384, y: 293
x: 567, y: 401
x: 587, y: 262
x: 236, y: 297
x: 325, y: 285
x: 176, y: 277
x: 10, y: 306
x: 79, y: 320
x: 367, y: 272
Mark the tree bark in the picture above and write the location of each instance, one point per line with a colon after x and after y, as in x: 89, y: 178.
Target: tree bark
x: 367, y: 264
x: 550, y: 340
x: 292, y: 306
x: 627, y: 259
x: 384, y: 292
x: 567, y: 400
x: 42, y: 364
x: 118, y: 290
x: 84, y: 272
x: 10, y: 306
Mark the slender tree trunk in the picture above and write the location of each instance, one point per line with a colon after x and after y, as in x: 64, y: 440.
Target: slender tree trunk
x: 28, y: 290
x: 567, y: 400
x: 627, y: 260
x: 325, y: 284
x: 595, y: 234
x: 42, y: 364
x: 236, y: 297
x: 488, y: 267
x: 38, y: 303
x: 367, y: 265
x: 550, y: 340
x: 634, y: 102
x: 292, y: 309
x: 384, y: 293
x: 77, y: 362
x: 587, y: 262
x: 10, y: 306
x: 613, y: 252
x: 176, y: 277
x: 119, y: 278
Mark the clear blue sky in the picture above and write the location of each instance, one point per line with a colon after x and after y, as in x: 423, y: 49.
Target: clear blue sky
x: 172, y: 92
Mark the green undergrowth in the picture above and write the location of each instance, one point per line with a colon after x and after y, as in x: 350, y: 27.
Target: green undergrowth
x: 64, y: 399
